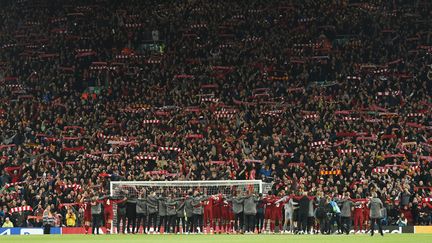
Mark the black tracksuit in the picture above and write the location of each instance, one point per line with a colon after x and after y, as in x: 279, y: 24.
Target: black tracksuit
x: 303, y: 213
x: 131, y: 214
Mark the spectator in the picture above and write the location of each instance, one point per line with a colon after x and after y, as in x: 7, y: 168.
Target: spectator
x: 425, y: 215
x: 8, y: 223
x: 70, y: 218
x: 229, y: 95
x: 415, y: 211
x: 265, y: 171
x: 402, y: 221
x: 48, y: 220
x: 2, y: 215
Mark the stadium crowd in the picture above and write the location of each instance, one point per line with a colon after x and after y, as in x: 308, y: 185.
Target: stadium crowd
x: 330, y: 98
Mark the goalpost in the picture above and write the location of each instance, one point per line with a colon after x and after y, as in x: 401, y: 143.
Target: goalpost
x: 131, y: 189
x: 208, y: 187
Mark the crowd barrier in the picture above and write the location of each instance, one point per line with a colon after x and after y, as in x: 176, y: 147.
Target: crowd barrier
x: 423, y: 229
x: 81, y: 230
x: 28, y: 231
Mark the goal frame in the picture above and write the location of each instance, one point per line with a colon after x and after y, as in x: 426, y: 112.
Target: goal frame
x: 189, y: 183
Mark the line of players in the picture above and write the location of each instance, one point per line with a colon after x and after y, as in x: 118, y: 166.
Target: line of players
x: 174, y: 211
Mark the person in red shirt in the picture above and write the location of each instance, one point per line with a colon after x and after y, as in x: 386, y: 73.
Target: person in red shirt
x: 87, y: 214
x: 227, y: 216
x: 269, y: 201
x: 108, y: 214
x: 208, y: 212
x: 358, y: 214
x: 217, y: 211
x: 14, y: 172
x: 366, y: 212
x: 277, y: 212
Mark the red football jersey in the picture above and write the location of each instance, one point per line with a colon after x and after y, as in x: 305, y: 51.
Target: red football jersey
x: 277, y: 208
x: 217, y: 200
x: 87, y: 210
x: 208, y: 204
x: 358, y: 209
x: 226, y: 207
x: 270, y: 202
x: 108, y: 204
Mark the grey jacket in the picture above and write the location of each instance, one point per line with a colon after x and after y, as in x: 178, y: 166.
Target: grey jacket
x: 141, y: 206
x: 196, y: 204
x: 96, y: 209
x: 171, y: 207
x: 237, y: 204
x: 162, y: 206
x: 375, y: 206
x: 152, y: 204
x: 250, y: 205
x: 188, y: 207
x: 311, y: 212
x: 346, y: 208
x: 180, y: 208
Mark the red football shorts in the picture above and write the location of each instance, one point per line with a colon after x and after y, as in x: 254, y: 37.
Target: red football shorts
x: 217, y: 212
x: 108, y: 215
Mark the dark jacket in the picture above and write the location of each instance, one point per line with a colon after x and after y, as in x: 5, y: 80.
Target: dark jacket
x: 171, y: 207
x: 162, y: 209
x: 152, y: 204
x: 260, y: 206
x: 141, y: 206
x: 304, y: 205
x: 321, y: 209
x: 188, y: 207
x: 131, y: 207
x: 121, y: 208
x: 180, y: 208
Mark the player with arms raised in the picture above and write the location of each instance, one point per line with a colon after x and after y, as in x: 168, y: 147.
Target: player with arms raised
x: 108, y: 213
x: 85, y: 202
x: 217, y: 211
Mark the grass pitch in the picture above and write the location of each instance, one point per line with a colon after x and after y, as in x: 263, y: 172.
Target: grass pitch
x: 389, y: 238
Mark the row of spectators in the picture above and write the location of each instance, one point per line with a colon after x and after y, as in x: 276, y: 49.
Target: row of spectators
x: 308, y: 95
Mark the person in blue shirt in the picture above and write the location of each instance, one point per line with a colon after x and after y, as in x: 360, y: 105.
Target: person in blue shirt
x: 2, y: 215
x: 336, y: 216
x: 266, y: 171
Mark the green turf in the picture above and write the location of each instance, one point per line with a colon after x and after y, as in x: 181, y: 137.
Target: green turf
x: 390, y: 238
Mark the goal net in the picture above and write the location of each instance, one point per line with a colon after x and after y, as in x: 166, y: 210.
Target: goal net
x: 132, y: 189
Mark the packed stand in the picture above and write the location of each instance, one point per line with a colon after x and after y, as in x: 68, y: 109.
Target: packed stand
x: 311, y: 96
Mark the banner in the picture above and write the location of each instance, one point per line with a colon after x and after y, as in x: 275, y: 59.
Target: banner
x: 79, y: 230
x: 423, y: 229
x: 28, y: 231
x: 390, y: 230
x: 102, y: 230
